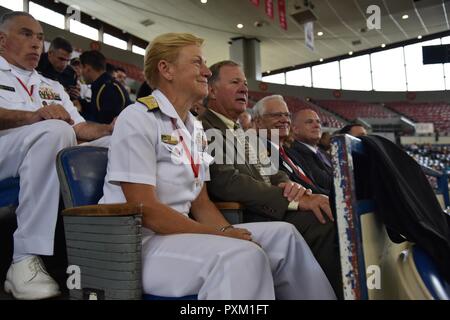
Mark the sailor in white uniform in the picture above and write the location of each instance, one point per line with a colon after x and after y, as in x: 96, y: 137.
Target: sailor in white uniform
x: 157, y: 157
x: 37, y: 120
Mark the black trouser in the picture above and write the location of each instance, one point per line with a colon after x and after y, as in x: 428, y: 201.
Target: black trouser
x: 321, y: 238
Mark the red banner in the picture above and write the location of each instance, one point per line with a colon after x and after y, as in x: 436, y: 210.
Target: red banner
x: 255, y: 2
x: 282, y: 13
x: 269, y: 8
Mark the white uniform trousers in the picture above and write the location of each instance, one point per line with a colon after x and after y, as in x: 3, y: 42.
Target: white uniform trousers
x: 100, y: 142
x: 223, y: 268
x: 30, y: 153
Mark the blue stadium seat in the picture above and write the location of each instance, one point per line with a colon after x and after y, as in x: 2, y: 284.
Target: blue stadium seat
x: 81, y: 172
x: 439, y: 290
x: 9, y: 192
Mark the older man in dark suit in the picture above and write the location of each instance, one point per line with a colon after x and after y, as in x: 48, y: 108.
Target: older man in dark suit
x: 272, y: 113
x: 265, y: 197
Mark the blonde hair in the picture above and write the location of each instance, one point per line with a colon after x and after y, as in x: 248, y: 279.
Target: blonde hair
x: 165, y: 47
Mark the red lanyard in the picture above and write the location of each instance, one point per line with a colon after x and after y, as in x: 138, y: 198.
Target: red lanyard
x: 295, y: 167
x: 29, y: 92
x: 195, y: 166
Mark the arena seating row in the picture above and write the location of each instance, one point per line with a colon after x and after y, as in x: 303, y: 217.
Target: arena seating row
x: 437, y: 113
x: 351, y: 110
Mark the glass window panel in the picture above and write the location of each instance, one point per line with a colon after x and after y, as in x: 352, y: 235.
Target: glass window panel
x: 355, y: 73
x: 138, y: 50
x: 14, y: 5
x: 275, y: 78
x: 83, y: 30
x: 422, y: 77
x: 300, y: 77
x: 388, y: 70
x: 326, y: 75
x: 46, y: 15
x: 115, y: 42
x: 445, y: 40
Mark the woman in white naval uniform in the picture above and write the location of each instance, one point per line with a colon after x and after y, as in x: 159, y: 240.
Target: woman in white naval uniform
x: 150, y: 162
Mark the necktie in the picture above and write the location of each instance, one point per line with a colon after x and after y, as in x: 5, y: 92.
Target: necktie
x: 297, y: 170
x: 250, y: 154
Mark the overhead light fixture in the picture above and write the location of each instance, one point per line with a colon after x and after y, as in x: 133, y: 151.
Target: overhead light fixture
x: 383, y: 45
x: 320, y: 33
x: 321, y: 59
x: 350, y: 53
x: 419, y: 37
x: 239, y: 25
x: 268, y: 71
x: 203, y: 1
x: 405, y: 16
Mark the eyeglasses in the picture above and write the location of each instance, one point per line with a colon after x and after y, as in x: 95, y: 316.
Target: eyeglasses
x: 278, y: 114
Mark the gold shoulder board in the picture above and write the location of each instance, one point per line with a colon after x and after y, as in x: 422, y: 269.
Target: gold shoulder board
x: 150, y: 102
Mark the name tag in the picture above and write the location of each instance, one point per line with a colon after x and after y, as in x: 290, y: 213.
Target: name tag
x: 167, y: 138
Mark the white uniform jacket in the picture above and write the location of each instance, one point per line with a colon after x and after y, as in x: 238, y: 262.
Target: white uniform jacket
x: 144, y: 148
x: 44, y: 91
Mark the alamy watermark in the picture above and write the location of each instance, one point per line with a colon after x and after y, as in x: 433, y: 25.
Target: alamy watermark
x: 73, y: 12
x: 74, y: 279
x: 374, y: 20
x: 373, y: 275
x: 235, y: 147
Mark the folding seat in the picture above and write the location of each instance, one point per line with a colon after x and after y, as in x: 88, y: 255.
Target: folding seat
x: 9, y: 192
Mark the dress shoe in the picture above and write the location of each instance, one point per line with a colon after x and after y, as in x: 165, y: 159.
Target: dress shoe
x: 28, y: 280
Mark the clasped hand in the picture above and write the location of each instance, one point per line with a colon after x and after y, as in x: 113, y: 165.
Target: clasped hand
x: 240, y: 233
x: 53, y: 111
x: 294, y: 191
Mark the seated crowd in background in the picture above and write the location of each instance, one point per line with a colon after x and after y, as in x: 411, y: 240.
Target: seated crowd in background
x: 434, y: 156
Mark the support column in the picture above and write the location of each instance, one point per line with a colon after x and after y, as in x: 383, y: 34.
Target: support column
x: 26, y: 6
x: 246, y: 52
x: 130, y: 44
